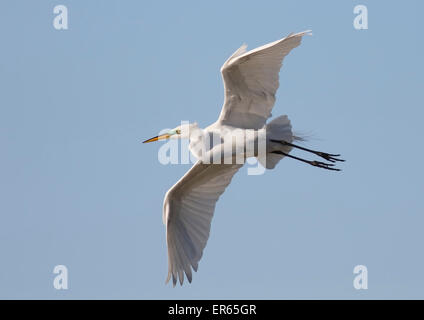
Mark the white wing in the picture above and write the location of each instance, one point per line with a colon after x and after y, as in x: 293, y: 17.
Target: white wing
x: 251, y: 81
x: 187, y: 213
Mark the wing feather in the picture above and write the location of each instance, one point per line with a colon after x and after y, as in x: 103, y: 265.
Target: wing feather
x: 188, y: 210
x: 251, y: 81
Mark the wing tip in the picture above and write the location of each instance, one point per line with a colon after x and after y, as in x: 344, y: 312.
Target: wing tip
x: 168, y: 278
x: 303, y: 33
x: 300, y: 34
x: 178, y: 278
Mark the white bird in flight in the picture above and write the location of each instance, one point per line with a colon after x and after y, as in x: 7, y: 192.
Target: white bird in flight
x: 250, y: 83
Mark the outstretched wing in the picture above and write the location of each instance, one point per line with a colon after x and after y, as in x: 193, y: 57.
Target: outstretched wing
x: 251, y: 81
x: 187, y: 213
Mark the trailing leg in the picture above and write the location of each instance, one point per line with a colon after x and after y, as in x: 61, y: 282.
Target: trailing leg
x: 327, y: 156
x: 318, y: 164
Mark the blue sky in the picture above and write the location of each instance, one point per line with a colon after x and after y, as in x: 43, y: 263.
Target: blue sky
x: 79, y: 189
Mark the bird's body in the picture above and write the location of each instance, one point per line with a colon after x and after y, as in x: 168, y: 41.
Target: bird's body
x: 224, y: 144
x: 241, y: 131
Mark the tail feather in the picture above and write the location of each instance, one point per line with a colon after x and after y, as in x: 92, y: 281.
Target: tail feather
x: 278, y: 129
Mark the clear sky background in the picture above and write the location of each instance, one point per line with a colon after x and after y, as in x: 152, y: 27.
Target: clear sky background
x: 78, y: 188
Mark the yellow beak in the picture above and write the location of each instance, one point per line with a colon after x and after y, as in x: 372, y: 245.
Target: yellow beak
x: 161, y: 137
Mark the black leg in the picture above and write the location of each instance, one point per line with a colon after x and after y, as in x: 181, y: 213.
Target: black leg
x: 327, y: 156
x: 318, y: 164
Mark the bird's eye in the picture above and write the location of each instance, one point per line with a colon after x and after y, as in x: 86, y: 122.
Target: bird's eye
x: 178, y: 131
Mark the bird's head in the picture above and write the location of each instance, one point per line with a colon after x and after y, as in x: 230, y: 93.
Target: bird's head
x: 183, y: 131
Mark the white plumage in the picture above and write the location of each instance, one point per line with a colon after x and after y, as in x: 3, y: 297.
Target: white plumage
x: 250, y: 82
x: 187, y: 213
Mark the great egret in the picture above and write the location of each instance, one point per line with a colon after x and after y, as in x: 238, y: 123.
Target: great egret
x: 250, y: 82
